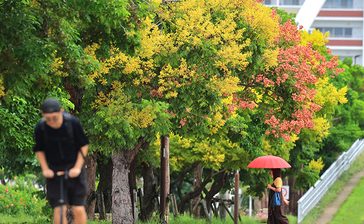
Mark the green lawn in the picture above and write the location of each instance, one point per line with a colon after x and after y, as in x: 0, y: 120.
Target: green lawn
x: 352, y: 209
x: 179, y: 220
x: 21, y: 219
x: 332, y: 193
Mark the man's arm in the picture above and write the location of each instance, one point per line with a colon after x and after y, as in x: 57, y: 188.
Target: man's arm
x: 80, y: 160
x: 47, y: 173
x: 76, y: 169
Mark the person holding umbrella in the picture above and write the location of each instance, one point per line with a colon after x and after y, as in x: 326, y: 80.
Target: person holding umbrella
x: 60, y: 147
x: 275, y: 215
x: 275, y: 164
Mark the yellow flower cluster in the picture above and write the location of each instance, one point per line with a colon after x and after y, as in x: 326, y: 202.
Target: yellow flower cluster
x: 212, y: 154
x: 316, y: 165
x: 101, y: 100
x: 143, y: 118
x: 140, y: 70
x: 260, y: 18
x: 153, y: 41
x: 117, y: 59
x: 56, y: 67
x: 270, y: 58
x: 170, y: 79
x: 226, y: 87
x: 316, y: 38
x: 106, y: 99
x: 231, y: 55
x: 180, y: 157
x: 329, y: 94
x: 321, y: 127
x: 216, y: 122
x: 91, y: 50
x: 194, y: 25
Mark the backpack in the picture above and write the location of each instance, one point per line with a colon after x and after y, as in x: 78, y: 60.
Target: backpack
x: 68, y: 124
x: 277, y: 199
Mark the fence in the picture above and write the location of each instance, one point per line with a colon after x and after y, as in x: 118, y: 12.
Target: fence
x: 309, y: 200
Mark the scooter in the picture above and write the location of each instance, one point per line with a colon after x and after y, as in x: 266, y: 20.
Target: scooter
x: 63, y: 177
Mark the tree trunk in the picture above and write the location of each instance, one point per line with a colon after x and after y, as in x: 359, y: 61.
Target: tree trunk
x: 197, y: 173
x: 122, y: 212
x: 133, y: 187
x: 216, y: 187
x: 91, y: 179
x: 149, y: 192
x: 195, y: 193
x: 105, y: 186
x: 294, y: 195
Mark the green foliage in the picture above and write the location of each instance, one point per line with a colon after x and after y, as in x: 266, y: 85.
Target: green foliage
x: 307, y: 177
x: 125, y: 122
x: 348, y: 124
x: 285, y: 16
x: 21, y: 197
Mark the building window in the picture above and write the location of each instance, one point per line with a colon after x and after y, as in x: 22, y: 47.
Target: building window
x: 338, y: 4
x: 291, y: 2
x: 337, y: 31
x: 267, y: 2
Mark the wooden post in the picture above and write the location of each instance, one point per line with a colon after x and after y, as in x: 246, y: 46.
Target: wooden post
x: 174, y: 205
x: 236, y: 198
x: 101, y: 205
x: 165, y: 181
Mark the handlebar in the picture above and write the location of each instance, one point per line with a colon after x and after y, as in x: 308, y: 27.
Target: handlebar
x: 62, y: 173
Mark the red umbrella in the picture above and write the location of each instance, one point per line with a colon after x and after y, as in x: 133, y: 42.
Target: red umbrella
x: 269, y: 162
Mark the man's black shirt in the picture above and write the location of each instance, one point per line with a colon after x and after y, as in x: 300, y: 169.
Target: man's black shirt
x: 60, y: 149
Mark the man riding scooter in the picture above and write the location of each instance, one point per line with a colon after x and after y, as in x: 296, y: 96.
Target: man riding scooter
x: 60, y: 147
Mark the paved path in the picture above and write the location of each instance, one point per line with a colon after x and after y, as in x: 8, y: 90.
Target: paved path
x: 330, y: 211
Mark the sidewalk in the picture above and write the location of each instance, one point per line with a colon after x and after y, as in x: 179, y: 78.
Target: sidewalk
x: 330, y: 211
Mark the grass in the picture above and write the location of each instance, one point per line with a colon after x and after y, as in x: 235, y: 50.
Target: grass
x: 335, y: 190
x: 98, y: 222
x: 20, y: 219
x: 351, y: 211
x: 183, y: 219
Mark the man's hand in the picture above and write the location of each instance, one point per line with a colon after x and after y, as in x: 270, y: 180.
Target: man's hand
x: 48, y: 173
x: 74, y: 172
x: 269, y: 186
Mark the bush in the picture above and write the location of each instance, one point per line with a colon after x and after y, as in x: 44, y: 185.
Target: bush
x: 21, y: 197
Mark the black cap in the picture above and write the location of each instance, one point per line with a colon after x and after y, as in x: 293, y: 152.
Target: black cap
x: 50, y: 105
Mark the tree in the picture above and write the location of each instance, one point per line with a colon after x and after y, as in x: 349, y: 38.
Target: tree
x: 348, y: 118
x: 172, y: 79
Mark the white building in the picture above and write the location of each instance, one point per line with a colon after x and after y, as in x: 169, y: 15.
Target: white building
x: 343, y: 19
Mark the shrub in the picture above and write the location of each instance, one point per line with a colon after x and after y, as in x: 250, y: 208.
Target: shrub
x: 20, y: 196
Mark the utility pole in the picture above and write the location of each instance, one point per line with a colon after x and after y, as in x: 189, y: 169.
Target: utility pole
x: 236, y: 198
x: 165, y: 180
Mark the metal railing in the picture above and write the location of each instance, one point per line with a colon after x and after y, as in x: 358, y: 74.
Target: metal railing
x: 310, y: 199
